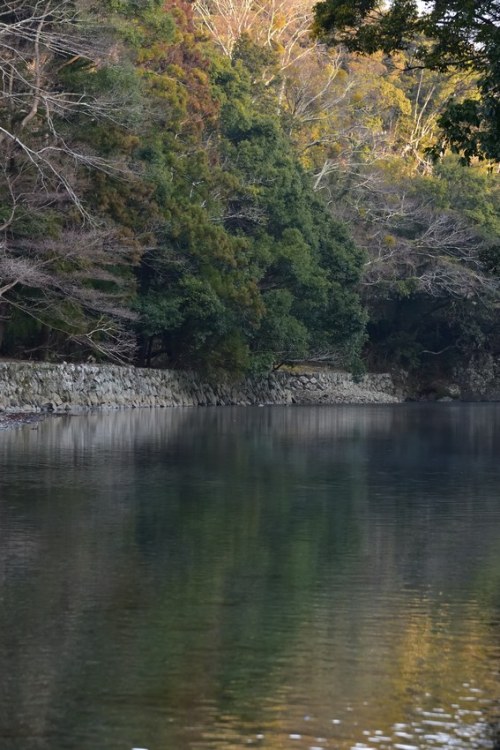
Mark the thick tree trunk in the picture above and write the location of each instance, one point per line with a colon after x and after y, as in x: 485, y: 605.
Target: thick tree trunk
x: 144, y: 350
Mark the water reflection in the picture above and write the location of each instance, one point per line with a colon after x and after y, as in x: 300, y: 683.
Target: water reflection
x: 289, y: 578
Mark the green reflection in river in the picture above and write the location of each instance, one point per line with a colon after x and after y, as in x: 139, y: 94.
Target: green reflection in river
x: 194, y: 578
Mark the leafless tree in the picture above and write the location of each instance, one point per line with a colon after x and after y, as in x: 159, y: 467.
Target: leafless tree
x: 282, y: 25
x: 407, y: 239
x: 53, y: 275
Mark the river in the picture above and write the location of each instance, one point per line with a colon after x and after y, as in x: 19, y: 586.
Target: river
x: 278, y: 578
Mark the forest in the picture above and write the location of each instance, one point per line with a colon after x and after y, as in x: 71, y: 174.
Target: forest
x: 234, y: 185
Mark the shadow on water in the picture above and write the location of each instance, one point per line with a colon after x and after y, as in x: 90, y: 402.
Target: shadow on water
x: 306, y: 577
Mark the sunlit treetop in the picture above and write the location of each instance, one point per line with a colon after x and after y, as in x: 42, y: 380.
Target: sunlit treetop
x: 457, y: 34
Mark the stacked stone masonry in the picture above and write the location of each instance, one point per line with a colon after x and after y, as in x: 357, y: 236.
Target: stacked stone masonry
x: 28, y: 386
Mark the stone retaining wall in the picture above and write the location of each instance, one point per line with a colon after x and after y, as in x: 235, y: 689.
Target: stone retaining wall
x: 28, y: 386
x: 480, y: 379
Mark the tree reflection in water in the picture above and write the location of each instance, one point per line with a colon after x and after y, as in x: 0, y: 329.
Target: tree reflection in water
x: 301, y: 577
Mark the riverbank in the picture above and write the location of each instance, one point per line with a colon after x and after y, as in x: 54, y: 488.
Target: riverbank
x: 37, y: 387
x: 40, y: 387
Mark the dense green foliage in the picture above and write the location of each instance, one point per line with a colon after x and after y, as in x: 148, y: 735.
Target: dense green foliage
x: 181, y: 186
x: 238, y: 264
x: 261, y: 273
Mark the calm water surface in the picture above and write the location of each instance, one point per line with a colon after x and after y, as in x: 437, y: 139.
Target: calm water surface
x: 295, y: 579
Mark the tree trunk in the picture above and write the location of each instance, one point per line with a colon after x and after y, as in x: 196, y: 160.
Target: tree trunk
x: 3, y: 322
